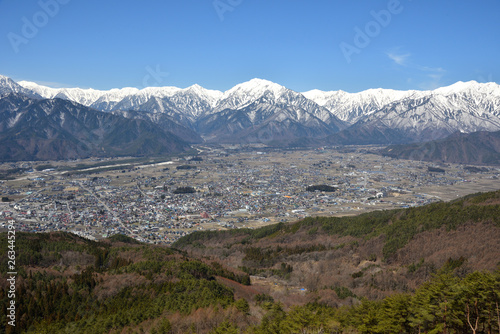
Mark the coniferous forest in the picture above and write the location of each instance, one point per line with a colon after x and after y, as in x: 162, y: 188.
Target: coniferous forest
x: 203, y: 284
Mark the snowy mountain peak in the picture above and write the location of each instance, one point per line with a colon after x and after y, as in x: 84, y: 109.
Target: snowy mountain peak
x: 160, y: 92
x: 7, y: 82
x: 207, y: 93
x: 456, y: 87
x: 472, y: 86
x: 7, y: 85
x: 248, y: 92
x: 196, y: 88
x: 46, y: 92
x: 257, y: 87
x: 260, y: 97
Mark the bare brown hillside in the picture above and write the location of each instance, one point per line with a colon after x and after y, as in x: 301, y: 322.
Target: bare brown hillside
x: 400, y: 250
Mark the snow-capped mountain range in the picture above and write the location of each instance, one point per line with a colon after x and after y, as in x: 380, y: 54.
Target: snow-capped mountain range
x: 263, y: 111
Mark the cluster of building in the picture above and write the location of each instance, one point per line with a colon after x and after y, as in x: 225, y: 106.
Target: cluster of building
x: 232, y: 189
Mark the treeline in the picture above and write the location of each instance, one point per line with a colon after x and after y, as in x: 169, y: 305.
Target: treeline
x: 258, y: 257
x: 184, y: 190
x: 197, y: 237
x: 399, y: 226
x: 131, y: 285
x: 435, y: 170
x: 320, y: 187
x: 94, y: 294
x: 46, y: 249
x: 447, y: 304
x: 48, y: 304
x: 8, y: 174
x: 185, y: 167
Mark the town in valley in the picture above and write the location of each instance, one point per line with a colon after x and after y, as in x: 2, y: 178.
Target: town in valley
x: 222, y: 187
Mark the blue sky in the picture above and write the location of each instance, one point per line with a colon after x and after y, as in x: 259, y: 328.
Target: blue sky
x: 324, y: 44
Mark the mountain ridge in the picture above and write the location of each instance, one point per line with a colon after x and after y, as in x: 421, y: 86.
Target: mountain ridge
x: 481, y: 148
x: 55, y: 129
x: 243, y: 114
x: 256, y: 88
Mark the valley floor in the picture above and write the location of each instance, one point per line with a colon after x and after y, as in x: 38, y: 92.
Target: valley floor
x: 234, y: 187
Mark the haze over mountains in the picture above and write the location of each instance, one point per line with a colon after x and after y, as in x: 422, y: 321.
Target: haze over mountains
x: 260, y: 111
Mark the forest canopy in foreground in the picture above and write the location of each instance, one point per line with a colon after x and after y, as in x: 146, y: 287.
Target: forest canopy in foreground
x: 67, y: 284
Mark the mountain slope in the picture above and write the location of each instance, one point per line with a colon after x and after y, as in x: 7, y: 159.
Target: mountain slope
x: 59, y: 129
x: 374, y: 116
x: 192, y: 106
x: 350, y: 107
x: 376, y: 133
x: 259, y: 91
x: 475, y: 97
x: 482, y: 148
x: 437, y: 116
x: 261, y: 122
x: 262, y: 111
x: 165, y: 122
x: 192, y: 101
x: 7, y: 86
x: 113, y: 285
x: 465, y: 107
x: 373, y: 254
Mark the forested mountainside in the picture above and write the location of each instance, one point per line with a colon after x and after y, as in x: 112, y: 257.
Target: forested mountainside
x: 479, y: 148
x: 429, y: 269
x: 32, y: 129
